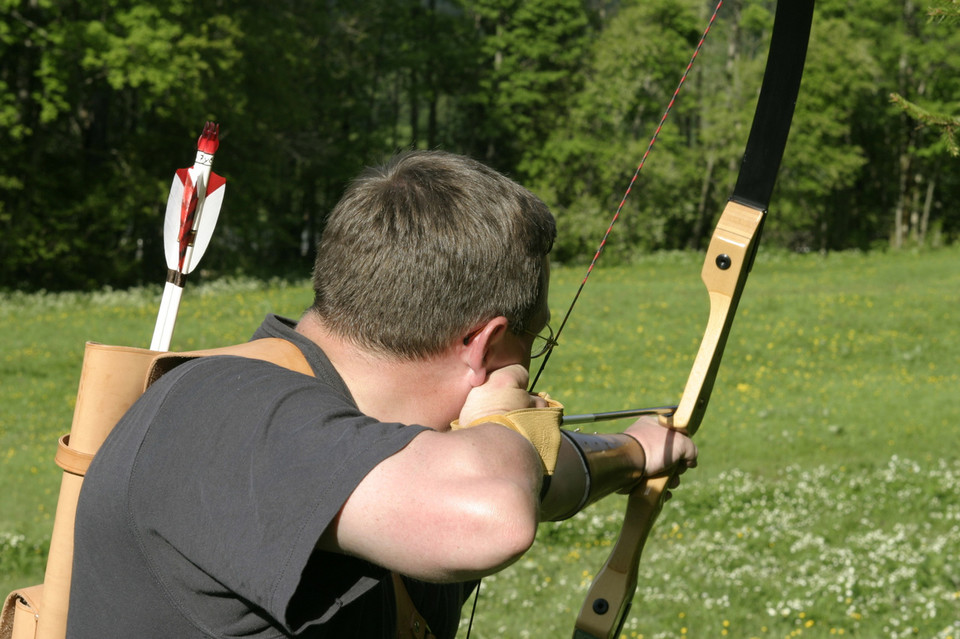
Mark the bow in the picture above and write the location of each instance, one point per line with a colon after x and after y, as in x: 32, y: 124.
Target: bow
x: 728, y: 262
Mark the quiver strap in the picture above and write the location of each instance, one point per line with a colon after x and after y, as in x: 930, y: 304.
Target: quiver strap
x: 111, y: 380
x: 271, y: 349
x: 114, y: 377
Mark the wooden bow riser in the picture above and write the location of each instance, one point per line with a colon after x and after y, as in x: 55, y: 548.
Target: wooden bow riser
x: 725, y: 270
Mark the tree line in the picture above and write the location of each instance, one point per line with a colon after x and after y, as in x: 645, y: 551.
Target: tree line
x: 101, y: 101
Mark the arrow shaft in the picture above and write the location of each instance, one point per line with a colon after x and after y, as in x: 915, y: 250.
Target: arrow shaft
x: 166, y: 317
x: 589, y: 418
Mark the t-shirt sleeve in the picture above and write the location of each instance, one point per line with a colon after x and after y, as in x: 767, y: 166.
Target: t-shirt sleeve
x: 243, y: 468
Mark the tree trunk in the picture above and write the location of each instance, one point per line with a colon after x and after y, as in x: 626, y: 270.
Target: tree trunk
x: 414, y: 100
x: 702, y: 205
x: 927, y: 205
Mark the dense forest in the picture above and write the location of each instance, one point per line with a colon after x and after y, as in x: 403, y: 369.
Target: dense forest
x: 101, y: 100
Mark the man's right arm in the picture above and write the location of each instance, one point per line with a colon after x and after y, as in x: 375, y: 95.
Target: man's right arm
x: 453, y: 505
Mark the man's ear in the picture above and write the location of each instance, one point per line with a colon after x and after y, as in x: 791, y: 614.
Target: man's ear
x: 478, y: 344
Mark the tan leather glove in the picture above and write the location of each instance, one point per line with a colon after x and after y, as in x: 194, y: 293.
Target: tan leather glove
x: 540, y: 426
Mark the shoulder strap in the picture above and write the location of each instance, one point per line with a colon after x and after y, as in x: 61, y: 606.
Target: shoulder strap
x: 114, y: 377
x: 271, y: 349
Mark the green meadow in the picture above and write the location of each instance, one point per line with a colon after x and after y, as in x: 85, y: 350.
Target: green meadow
x: 827, y: 499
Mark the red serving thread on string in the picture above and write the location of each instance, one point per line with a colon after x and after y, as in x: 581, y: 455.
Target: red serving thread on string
x: 616, y: 216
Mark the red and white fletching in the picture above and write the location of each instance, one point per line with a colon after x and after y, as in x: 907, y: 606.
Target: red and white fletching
x: 192, y: 211
x: 193, y: 206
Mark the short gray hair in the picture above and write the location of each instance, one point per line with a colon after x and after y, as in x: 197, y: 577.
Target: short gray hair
x: 427, y: 247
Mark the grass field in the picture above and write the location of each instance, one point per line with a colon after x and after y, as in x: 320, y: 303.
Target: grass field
x: 827, y: 501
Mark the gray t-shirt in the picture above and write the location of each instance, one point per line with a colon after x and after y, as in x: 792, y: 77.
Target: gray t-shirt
x: 200, y: 514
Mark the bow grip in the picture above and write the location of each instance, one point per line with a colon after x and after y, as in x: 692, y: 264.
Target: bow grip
x: 608, y: 601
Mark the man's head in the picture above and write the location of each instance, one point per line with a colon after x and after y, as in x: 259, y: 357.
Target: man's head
x: 421, y: 251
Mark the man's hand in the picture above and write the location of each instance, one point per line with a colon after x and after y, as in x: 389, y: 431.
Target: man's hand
x: 504, y: 390
x: 665, y: 449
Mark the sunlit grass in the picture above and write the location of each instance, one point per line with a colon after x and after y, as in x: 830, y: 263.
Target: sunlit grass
x: 827, y: 501
x: 816, y: 552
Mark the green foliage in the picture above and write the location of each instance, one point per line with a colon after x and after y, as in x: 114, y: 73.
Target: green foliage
x: 948, y: 124
x: 936, y: 116
x: 94, y: 89
x: 529, y: 66
x: 826, y: 160
x: 583, y: 169
x: 100, y: 103
x: 159, y: 50
x: 945, y: 11
x: 22, y: 558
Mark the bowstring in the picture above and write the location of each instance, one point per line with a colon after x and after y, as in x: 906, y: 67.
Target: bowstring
x: 613, y: 221
x: 623, y: 200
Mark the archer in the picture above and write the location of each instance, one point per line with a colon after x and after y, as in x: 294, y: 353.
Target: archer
x: 238, y: 497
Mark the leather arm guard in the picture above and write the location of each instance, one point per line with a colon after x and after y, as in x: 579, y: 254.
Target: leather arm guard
x: 609, y: 463
x: 540, y: 426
